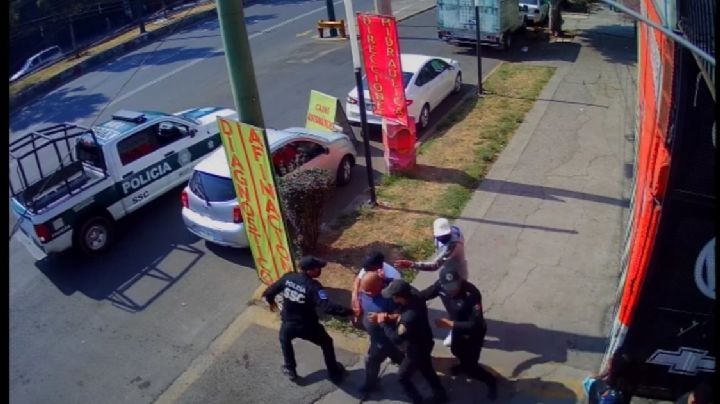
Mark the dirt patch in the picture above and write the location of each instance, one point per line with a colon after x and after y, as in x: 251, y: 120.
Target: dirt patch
x: 450, y: 167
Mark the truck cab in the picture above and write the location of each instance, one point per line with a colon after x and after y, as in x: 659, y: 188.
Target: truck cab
x: 70, y: 184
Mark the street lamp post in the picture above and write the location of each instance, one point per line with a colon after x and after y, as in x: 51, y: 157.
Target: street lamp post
x: 352, y: 32
x: 478, y: 47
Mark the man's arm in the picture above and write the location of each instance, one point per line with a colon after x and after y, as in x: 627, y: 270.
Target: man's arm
x: 431, y: 291
x: 320, y: 298
x: 442, y: 255
x: 273, y: 290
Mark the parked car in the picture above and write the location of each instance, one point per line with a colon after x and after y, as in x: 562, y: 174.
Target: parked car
x: 38, y: 60
x: 210, y: 208
x: 428, y: 80
x: 534, y: 12
x: 499, y: 19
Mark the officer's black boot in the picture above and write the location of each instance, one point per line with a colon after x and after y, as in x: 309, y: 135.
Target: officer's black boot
x: 290, y: 373
x: 336, y: 376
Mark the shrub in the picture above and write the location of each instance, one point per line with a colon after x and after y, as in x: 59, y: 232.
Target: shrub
x: 303, y: 194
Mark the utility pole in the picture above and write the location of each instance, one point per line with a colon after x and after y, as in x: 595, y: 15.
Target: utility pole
x: 383, y: 7
x: 478, y: 47
x: 352, y: 32
x: 331, y: 15
x: 239, y: 61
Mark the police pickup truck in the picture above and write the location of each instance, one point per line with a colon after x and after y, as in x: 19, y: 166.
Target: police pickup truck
x: 69, y: 184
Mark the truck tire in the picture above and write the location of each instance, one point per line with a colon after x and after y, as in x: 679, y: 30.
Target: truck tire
x: 506, y: 41
x: 94, y: 235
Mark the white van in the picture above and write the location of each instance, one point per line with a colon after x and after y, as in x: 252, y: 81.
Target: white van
x: 38, y: 60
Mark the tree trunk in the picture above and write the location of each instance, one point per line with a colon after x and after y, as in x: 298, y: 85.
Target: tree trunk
x: 72, y: 38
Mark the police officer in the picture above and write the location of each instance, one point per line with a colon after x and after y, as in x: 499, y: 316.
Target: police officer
x: 463, y: 303
x: 381, y: 347
x: 414, y: 330
x: 301, y: 294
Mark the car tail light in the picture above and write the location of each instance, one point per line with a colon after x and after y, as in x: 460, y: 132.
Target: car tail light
x: 352, y: 100
x: 43, y: 232
x: 408, y: 102
x: 184, y: 199
x: 237, y: 215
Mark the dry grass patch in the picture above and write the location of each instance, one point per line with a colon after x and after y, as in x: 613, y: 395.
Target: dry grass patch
x: 449, y: 169
x: 67, y: 64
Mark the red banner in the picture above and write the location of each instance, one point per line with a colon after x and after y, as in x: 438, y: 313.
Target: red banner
x: 381, y: 55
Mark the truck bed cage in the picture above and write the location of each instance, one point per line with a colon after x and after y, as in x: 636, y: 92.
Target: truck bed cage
x: 27, y: 150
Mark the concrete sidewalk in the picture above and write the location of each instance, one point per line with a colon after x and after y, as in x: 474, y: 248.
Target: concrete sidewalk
x: 544, y: 229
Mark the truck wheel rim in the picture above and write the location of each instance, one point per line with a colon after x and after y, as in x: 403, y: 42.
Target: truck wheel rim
x: 96, y: 237
x: 424, y: 117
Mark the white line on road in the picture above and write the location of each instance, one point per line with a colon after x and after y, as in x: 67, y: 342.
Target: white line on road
x: 194, y: 62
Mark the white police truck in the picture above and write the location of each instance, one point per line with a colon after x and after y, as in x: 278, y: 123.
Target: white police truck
x: 70, y: 184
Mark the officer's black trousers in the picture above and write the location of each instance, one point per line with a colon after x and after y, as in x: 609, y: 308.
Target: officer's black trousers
x: 314, y: 333
x: 377, y: 353
x: 467, y: 350
x: 419, y: 360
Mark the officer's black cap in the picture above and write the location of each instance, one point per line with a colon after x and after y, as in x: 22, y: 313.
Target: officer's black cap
x: 376, y: 259
x: 309, y: 262
x: 450, y: 278
x: 397, y: 287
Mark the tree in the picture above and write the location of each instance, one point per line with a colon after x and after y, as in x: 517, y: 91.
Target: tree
x: 64, y: 10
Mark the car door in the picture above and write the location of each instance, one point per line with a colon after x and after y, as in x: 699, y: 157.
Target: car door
x: 141, y: 168
x: 445, y: 78
x: 423, y: 86
x: 177, y: 142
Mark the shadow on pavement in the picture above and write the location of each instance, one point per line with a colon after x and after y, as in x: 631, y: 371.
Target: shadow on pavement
x: 139, y: 268
x: 546, y: 193
x: 493, y: 222
x: 159, y: 57
x: 69, y: 102
x: 548, y: 345
x: 240, y: 256
x: 616, y: 42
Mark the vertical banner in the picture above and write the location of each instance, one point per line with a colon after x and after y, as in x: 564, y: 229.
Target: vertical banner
x: 249, y: 161
x: 381, y: 55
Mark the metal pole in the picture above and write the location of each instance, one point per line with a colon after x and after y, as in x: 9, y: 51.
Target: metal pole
x: 682, y: 41
x: 478, y: 48
x: 331, y: 15
x: 366, y: 135
x: 383, y: 7
x: 239, y: 61
x: 355, y: 51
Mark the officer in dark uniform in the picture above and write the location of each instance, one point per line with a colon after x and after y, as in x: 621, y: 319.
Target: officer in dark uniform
x: 414, y: 330
x: 301, y: 294
x: 463, y: 303
x: 381, y: 347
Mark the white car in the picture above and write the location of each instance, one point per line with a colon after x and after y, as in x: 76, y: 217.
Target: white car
x: 37, y: 61
x: 534, y: 12
x: 428, y: 81
x: 211, y: 210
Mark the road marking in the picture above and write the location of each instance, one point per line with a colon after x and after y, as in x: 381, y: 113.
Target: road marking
x: 311, y: 59
x: 194, y: 62
x: 298, y: 35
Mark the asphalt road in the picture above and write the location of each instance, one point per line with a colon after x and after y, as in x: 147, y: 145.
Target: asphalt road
x: 122, y: 327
